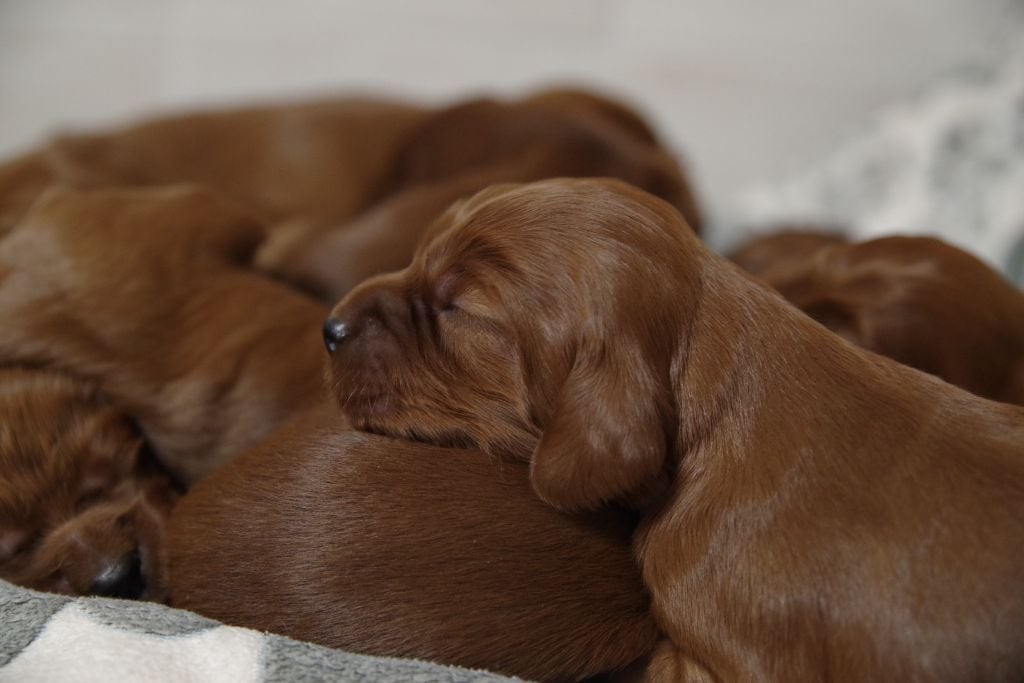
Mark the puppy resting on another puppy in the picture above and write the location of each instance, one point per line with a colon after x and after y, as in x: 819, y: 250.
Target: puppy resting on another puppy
x: 811, y: 510
x: 918, y: 300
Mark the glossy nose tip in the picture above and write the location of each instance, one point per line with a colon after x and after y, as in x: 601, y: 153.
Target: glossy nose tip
x: 335, y: 332
x: 122, y: 579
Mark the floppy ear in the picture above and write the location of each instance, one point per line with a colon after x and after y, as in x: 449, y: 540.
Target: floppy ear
x: 606, y: 438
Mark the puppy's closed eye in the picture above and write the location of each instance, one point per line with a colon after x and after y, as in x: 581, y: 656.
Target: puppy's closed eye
x: 446, y: 307
x: 16, y: 541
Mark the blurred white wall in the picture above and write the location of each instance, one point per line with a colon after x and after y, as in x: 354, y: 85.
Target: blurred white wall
x: 747, y: 89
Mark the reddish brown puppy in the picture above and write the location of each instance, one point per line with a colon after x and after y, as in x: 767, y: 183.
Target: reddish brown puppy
x: 812, y: 510
x: 148, y: 294
x: 322, y: 161
x: 395, y: 548
x: 348, y: 185
x: 82, y: 502
x: 916, y: 299
x: 784, y: 250
x: 463, y: 149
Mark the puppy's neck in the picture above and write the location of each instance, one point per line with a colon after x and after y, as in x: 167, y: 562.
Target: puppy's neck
x: 757, y: 380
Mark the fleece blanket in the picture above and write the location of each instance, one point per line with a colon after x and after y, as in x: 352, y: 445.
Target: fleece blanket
x: 52, y: 639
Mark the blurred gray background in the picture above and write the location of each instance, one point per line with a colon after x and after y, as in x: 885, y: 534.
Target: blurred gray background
x: 747, y: 90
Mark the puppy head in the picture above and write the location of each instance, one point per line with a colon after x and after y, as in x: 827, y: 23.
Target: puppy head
x: 556, y: 133
x: 635, y: 153
x: 536, y: 321
x: 81, y: 512
x: 601, y: 106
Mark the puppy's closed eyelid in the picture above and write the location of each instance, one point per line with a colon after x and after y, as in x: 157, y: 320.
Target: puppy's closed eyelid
x: 445, y: 299
x: 16, y: 542
x: 88, y: 499
x: 444, y: 291
x: 10, y: 542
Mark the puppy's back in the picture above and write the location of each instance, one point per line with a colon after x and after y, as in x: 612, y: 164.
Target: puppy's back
x: 322, y: 160
x: 396, y: 548
x: 917, y: 300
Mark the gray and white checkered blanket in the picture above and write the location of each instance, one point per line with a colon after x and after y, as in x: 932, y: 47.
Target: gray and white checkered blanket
x: 52, y: 639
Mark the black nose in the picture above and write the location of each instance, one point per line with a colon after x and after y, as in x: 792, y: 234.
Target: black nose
x: 335, y: 332
x: 122, y: 579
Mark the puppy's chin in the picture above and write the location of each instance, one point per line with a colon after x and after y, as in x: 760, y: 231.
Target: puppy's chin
x: 420, y: 407
x: 392, y: 419
x: 372, y: 409
x: 366, y: 407
x: 372, y: 404
x: 392, y: 423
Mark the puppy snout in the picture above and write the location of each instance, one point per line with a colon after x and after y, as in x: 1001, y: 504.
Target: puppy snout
x: 377, y: 314
x: 121, y: 579
x: 335, y: 332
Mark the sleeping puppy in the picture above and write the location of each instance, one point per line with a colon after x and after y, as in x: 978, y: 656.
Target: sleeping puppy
x: 356, y: 180
x: 462, y: 149
x: 601, y: 137
x: 915, y: 299
x: 395, y: 548
x: 322, y: 161
x: 82, y: 502
x: 811, y: 510
x: 147, y: 293
x: 319, y: 161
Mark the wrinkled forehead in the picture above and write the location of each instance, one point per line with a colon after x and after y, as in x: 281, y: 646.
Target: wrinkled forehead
x: 475, y: 239
x: 505, y: 229
x: 560, y: 232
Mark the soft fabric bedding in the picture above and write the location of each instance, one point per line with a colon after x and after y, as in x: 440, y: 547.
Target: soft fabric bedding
x: 51, y: 639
